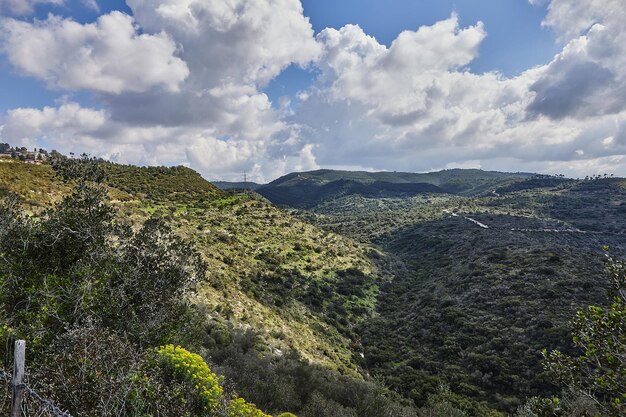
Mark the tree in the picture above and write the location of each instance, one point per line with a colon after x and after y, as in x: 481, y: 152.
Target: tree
x: 85, y: 168
x: 75, y: 262
x: 599, y: 372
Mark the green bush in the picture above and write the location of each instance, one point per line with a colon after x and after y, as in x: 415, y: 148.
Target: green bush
x: 192, y: 369
x: 600, y: 334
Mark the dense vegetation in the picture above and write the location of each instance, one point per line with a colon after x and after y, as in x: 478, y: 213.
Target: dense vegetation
x: 103, y: 288
x: 595, y: 378
x: 482, y: 284
x: 240, y: 185
x: 147, y: 291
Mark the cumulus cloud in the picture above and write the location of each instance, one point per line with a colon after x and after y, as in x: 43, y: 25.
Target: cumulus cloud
x: 203, y: 100
x: 571, y: 18
x: 70, y: 127
x: 68, y: 123
x: 246, y: 41
x: 106, y: 56
x: 24, y: 7
x: 379, y: 103
x: 415, y: 106
x: 588, y: 78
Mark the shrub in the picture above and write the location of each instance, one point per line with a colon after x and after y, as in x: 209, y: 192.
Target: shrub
x: 240, y: 408
x: 599, y: 333
x: 191, y: 368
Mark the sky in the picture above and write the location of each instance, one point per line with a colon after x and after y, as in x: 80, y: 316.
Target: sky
x: 275, y: 86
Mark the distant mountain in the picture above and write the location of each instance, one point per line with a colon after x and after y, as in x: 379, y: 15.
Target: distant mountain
x: 308, y: 189
x: 227, y: 185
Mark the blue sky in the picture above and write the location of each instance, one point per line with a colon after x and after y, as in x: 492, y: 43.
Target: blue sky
x: 274, y: 86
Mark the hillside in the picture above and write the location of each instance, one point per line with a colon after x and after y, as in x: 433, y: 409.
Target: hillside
x: 253, y: 251
x: 490, y: 281
x: 297, y: 293
x: 405, y: 282
x: 308, y: 189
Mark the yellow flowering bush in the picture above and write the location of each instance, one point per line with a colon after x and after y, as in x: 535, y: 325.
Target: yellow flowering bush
x: 191, y: 368
x: 240, y: 408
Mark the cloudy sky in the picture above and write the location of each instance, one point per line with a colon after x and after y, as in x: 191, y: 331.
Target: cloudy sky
x: 274, y: 86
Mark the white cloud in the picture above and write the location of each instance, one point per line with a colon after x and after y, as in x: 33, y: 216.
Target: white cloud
x: 211, y: 58
x: 68, y: 125
x: 242, y: 41
x: 588, y: 78
x: 106, y: 56
x: 91, y: 4
x: 24, y: 7
x: 573, y: 17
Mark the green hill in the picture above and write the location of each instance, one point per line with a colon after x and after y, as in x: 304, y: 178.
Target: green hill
x: 308, y: 189
x: 226, y: 185
x: 393, y: 294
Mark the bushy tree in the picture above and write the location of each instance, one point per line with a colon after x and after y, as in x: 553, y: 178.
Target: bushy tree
x: 599, y: 372
x: 85, y: 168
x: 76, y: 262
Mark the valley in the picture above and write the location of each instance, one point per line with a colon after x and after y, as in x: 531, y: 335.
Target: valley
x: 490, y: 279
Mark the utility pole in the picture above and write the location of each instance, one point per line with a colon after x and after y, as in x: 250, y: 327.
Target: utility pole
x: 245, y: 183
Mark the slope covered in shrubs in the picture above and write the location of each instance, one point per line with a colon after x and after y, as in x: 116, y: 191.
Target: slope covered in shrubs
x: 103, y: 283
x: 474, y: 306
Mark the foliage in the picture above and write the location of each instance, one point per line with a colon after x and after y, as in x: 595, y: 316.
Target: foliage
x: 92, y: 370
x: 78, y: 262
x: 85, y: 168
x: 473, y: 307
x: 89, y: 294
x: 179, y: 184
x: 35, y: 185
x: 443, y: 404
x: 599, y: 372
x: 157, y: 256
x: 238, y: 407
x: 109, y: 286
x: 191, y: 368
x: 287, y: 382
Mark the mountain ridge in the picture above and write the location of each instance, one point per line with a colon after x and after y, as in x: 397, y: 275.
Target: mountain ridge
x: 307, y: 189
